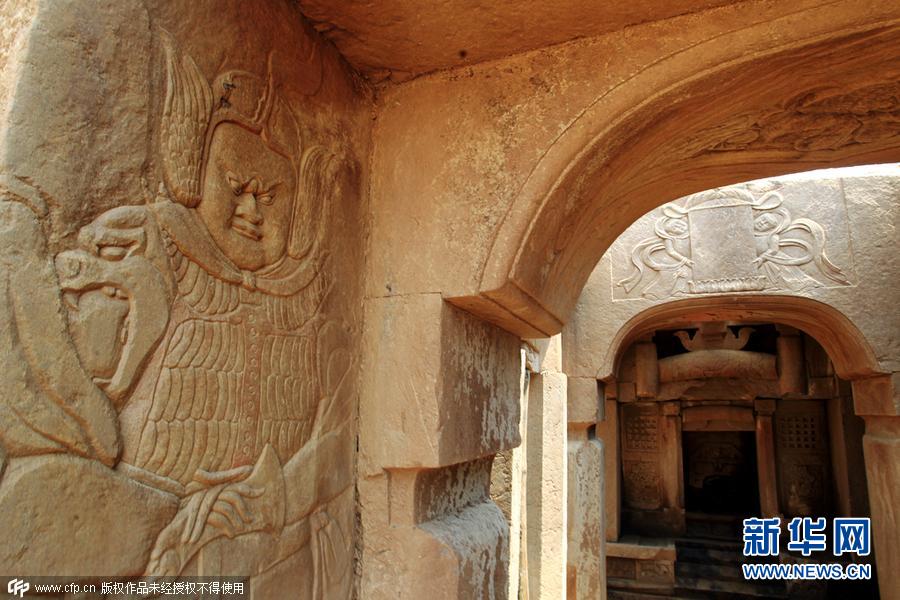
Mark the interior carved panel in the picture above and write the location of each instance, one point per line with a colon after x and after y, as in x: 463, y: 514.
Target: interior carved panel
x: 622, y: 568
x: 804, y: 465
x: 640, y: 456
x: 640, y: 427
x: 641, y: 483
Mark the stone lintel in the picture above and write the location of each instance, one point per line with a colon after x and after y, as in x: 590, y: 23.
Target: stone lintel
x: 765, y: 406
x: 584, y: 405
x: 877, y: 396
x: 441, y: 386
x: 642, y: 549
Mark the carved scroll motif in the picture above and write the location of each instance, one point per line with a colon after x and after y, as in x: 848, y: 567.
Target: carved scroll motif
x: 727, y: 240
x: 819, y: 120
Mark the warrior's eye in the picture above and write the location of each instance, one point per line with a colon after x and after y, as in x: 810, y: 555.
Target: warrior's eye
x: 266, y: 194
x: 235, y: 183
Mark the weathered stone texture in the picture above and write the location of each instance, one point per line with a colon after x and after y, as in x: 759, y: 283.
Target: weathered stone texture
x: 263, y: 315
x: 180, y: 242
x: 442, y: 387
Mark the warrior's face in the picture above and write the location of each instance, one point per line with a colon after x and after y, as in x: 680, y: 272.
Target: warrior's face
x: 248, y: 195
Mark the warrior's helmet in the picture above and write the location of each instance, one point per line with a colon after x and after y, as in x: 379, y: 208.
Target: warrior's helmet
x: 193, y: 110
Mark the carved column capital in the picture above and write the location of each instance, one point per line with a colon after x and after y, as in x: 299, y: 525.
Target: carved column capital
x: 671, y: 409
x: 646, y: 370
x: 764, y: 407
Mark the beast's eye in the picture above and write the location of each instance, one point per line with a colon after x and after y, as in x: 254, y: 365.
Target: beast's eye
x: 235, y: 183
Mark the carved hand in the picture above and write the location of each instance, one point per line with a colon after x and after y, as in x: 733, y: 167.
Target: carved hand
x: 231, y: 502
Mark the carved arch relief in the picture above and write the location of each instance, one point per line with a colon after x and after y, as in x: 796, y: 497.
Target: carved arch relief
x: 729, y: 240
x: 821, y: 95
x: 195, y: 374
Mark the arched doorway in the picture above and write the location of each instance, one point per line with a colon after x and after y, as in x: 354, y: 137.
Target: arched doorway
x: 846, y: 320
x: 665, y: 132
x: 714, y: 422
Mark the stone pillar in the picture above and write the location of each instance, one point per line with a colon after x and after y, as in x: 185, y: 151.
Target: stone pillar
x: 765, y: 457
x: 671, y: 467
x: 508, y: 484
x: 607, y: 431
x: 877, y: 400
x: 839, y: 466
x: 440, y: 397
x: 646, y: 380
x: 586, y: 556
x: 789, y: 360
x: 546, y: 480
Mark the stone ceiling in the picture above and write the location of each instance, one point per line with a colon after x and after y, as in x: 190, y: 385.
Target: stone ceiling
x: 404, y: 38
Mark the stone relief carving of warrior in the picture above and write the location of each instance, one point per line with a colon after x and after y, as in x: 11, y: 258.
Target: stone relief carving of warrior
x: 197, y: 318
x: 752, y: 245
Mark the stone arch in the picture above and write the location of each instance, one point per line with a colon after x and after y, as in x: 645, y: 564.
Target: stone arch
x: 846, y: 345
x: 853, y: 358
x: 804, y: 91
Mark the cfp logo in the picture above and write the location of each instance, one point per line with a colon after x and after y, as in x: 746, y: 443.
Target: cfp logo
x: 17, y: 587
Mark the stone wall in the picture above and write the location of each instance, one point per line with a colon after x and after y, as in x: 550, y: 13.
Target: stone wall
x: 182, y: 243
x: 822, y: 236
x: 525, y: 169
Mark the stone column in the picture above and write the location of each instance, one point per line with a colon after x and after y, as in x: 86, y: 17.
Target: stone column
x: 671, y: 468
x: 839, y: 466
x: 586, y: 556
x: 607, y: 431
x: 765, y: 457
x: 508, y: 482
x: 789, y: 360
x: 646, y: 368
x: 877, y: 400
x: 440, y: 397
x: 546, y: 481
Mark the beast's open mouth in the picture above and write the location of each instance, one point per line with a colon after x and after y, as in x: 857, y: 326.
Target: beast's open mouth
x: 117, y: 309
x: 71, y: 296
x: 99, y: 327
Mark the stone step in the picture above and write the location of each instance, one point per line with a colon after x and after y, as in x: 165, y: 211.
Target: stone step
x: 613, y: 594
x: 709, y: 555
x: 733, y: 544
x: 710, y: 570
x: 736, y: 590
x: 724, y: 530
